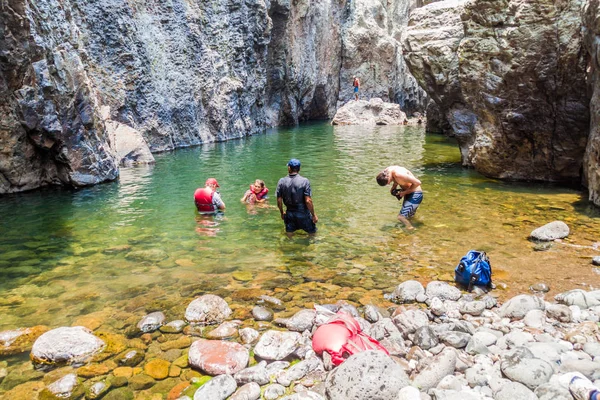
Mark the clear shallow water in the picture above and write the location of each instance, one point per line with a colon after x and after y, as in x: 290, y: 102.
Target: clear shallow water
x: 136, y: 245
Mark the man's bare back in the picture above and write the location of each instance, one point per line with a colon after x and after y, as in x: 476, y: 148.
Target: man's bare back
x: 410, y: 189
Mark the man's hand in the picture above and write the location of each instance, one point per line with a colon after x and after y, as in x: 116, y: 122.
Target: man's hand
x: 283, y: 216
x: 315, y: 219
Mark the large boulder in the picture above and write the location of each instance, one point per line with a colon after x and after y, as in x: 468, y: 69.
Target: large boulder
x: 372, y: 112
x: 520, y: 305
x: 207, y: 310
x: 520, y: 365
x: 366, y: 375
x: 510, y: 79
x: 66, y: 345
x: 551, y: 231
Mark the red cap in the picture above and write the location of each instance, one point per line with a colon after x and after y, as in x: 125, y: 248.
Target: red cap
x: 212, y: 181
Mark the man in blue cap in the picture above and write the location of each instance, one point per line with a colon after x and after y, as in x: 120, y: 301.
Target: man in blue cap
x: 294, y: 191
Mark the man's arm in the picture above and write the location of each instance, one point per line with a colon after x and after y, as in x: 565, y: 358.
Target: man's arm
x: 280, y: 206
x: 311, y: 208
x: 413, y: 183
x: 217, y: 201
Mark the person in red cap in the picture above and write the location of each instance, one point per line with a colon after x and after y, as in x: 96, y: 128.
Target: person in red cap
x: 207, y: 199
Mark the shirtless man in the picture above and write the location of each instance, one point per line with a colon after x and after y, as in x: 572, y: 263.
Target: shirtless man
x: 410, y: 189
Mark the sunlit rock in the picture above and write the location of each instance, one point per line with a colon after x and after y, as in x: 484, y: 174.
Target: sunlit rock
x: 551, y: 231
x: 208, y: 309
x: 65, y: 346
x: 372, y: 112
x: 19, y: 340
x: 216, y: 357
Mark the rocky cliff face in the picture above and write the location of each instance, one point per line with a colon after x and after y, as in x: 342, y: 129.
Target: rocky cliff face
x: 591, y: 161
x: 178, y: 73
x: 509, y: 77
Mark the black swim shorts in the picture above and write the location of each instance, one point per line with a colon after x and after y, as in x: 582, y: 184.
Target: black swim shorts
x: 300, y: 219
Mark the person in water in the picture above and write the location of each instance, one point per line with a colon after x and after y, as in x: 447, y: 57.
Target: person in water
x: 410, y: 190
x: 356, y: 84
x: 207, y: 199
x: 256, y: 194
x: 294, y: 191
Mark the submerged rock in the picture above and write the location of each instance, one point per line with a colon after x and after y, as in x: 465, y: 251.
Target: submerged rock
x: 65, y: 345
x: 19, y: 340
x: 66, y: 387
x: 151, y: 322
x: 218, y: 388
x: 277, y: 345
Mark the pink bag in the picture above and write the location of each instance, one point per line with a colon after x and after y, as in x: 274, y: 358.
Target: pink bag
x: 341, y: 337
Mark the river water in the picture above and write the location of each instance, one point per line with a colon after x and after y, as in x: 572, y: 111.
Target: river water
x: 137, y: 245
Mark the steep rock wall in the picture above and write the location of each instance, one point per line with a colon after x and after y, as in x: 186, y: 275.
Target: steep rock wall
x: 178, y: 73
x: 591, y: 161
x: 372, y: 50
x: 509, y: 76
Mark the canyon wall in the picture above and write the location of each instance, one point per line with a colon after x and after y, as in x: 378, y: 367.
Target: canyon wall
x: 175, y: 74
x: 591, y: 161
x: 510, y: 78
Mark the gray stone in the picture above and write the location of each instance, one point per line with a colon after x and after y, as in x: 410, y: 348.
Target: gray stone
x: 592, y: 348
x: 437, y: 307
x: 227, y: 329
x: 425, y: 338
x: 409, y: 393
x: 547, y: 351
x: 474, y: 308
x: 551, y: 231
x: 520, y: 305
x: 366, y: 375
x: 515, y: 390
x: 276, y: 345
x: 273, y: 391
x: 248, y: 335
x: 408, y: 321
x: 218, y: 388
x: 407, y: 291
x: 521, y: 366
x: 372, y: 314
x: 535, y: 318
x: 250, y: 391
x: 262, y: 313
x: 151, y: 322
x: 299, y: 371
x: 455, y: 339
x: 577, y: 297
x: 552, y: 391
x: 97, y: 390
x: 479, y: 343
x: 207, y: 310
x: 596, y: 260
x: 257, y: 373
x: 272, y: 302
x: 302, y: 321
x: 442, y: 290
x: 559, y: 312
x: 588, y: 368
x: 72, y: 345
x: 442, y: 365
x: 539, y: 287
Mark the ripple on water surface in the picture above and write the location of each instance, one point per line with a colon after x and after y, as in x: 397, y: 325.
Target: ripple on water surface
x: 136, y: 245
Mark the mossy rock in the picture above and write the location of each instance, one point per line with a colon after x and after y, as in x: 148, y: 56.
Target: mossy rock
x: 118, y: 381
x: 242, y: 276
x: 157, y: 368
x: 122, y: 393
x: 141, y: 382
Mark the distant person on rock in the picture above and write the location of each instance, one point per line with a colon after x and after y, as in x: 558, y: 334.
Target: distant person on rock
x: 207, y: 199
x: 356, y: 84
x: 294, y: 191
x: 410, y: 190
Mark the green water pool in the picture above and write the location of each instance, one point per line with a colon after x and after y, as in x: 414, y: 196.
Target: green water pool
x: 137, y: 245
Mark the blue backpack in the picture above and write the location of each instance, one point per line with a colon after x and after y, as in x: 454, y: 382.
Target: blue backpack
x: 474, y: 269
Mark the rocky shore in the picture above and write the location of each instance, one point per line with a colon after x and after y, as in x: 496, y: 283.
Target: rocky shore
x: 443, y: 344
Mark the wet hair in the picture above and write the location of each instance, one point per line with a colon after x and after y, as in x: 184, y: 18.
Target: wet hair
x: 382, y: 178
x: 260, y: 183
x: 294, y: 169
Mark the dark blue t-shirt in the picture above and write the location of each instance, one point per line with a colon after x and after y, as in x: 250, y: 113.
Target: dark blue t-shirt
x: 292, y: 189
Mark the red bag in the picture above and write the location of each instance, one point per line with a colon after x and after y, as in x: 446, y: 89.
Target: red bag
x: 341, y: 337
